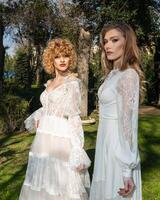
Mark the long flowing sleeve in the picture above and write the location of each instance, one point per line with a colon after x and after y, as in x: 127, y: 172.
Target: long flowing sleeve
x: 30, y: 121
x: 78, y: 155
x: 127, y: 106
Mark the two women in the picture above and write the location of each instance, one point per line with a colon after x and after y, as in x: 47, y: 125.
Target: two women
x: 57, y: 167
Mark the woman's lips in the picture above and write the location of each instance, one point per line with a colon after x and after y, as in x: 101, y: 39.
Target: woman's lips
x: 62, y: 65
x: 109, y: 53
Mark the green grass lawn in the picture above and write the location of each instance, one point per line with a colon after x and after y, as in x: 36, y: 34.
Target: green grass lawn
x: 14, y: 153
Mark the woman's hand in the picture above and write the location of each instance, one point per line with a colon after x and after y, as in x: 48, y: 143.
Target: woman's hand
x: 36, y: 123
x: 128, y: 187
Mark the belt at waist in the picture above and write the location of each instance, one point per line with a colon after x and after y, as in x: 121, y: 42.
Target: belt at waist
x: 108, y: 117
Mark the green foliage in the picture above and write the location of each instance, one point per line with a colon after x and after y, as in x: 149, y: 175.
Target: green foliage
x: 23, y: 76
x: 13, y: 112
x: 36, y: 20
x: 67, y: 28
x: 148, y: 66
x: 9, y: 63
x: 142, y: 15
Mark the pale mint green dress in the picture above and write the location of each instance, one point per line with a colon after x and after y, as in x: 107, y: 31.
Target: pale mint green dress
x: 117, y: 155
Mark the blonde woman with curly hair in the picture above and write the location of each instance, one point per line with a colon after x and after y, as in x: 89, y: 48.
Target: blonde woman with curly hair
x: 117, y: 173
x: 57, y: 165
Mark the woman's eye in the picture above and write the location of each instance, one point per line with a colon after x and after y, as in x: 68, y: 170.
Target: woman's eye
x: 66, y: 56
x: 114, y: 40
x: 56, y: 57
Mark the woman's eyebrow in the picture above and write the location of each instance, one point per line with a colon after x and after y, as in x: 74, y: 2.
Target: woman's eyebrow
x: 112, y: 37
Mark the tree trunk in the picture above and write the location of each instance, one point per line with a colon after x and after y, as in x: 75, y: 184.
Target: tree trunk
x: 157, y: 71
x: 30, y: 69
x: 84, y: 45
x: 38, y: 66
x: 2, y: 54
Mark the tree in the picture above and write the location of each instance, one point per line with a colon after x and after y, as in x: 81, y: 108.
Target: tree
x: 6, y: 13
x: 34, y: 23
x: 83, y: 67
x: 157, y: 71
x: 97, y: 13
x: 23, y: 75
x: 2, y: 54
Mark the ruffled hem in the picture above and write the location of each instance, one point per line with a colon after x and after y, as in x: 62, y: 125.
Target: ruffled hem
x: 56, y: 177
x: 28, y: 194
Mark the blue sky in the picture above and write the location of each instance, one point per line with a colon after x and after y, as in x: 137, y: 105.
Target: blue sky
x: 8, y: 42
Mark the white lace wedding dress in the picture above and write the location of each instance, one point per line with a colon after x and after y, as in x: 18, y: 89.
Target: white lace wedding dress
x: 57, y: 148
x: 117, y: 153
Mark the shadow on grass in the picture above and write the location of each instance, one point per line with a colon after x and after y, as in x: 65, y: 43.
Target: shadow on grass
x: 90, y: 140
x: 13, y: 149
x: 4, y: 139
x: 15, y: 180
x: 8, y: 153
x: 149, y: 145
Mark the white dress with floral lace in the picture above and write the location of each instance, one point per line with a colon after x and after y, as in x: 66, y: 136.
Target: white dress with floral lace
x: 57, y: 149
x: 117, y: 155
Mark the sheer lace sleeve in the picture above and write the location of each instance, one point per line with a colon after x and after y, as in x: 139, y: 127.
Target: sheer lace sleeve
x: 128, y: 100
x: 30, y: 121
x: 78, y: 155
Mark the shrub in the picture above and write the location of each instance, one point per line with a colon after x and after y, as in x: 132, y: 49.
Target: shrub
x: 13, y: 111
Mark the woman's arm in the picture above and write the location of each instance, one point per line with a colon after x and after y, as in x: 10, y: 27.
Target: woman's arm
x: 78, y: 157
x: 128, y: 101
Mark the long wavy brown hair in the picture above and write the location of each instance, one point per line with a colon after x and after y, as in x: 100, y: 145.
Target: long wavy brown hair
x: 131, y: 58
x: 57, y: 47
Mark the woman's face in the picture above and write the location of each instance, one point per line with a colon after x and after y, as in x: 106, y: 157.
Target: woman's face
x: 61, y: 63
x: 114, y: 43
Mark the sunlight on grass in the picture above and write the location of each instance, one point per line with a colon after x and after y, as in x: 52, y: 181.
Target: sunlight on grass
x: 14, y: 155
x: 13, y: 158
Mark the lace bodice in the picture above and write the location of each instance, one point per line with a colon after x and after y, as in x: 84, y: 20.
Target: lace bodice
x: 63, y: 101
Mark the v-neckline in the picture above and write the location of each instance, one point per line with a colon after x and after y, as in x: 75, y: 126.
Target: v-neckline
x: 53, y: 89
x: 60, y: 85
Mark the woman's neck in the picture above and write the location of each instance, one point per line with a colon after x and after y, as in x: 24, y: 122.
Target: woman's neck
x: 61, y: 75
x: 117, y: 64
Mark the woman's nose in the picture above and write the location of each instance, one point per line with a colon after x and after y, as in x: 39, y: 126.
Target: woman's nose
x: 62, y: 59
x: 108, y: 46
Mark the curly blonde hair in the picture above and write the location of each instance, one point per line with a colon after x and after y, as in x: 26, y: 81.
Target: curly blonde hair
x: 131, y: 54
x: 57, y: 47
